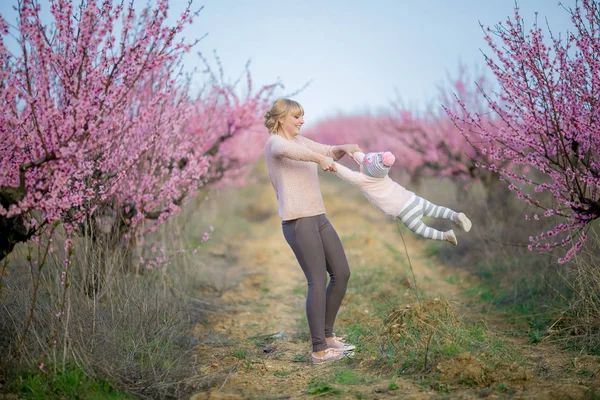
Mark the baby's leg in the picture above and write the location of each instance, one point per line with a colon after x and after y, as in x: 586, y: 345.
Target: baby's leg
x: 435, y: 211
x: 411, y: 217
x: 460, y: 219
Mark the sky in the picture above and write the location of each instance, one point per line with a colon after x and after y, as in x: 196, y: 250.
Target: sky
x: 356, y: 55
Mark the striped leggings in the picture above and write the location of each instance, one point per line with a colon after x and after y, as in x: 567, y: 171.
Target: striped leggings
x: 418, y: 207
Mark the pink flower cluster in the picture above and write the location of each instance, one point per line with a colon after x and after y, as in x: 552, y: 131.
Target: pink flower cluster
x: 90, y: 116
x: 549, y: 104
x: 442, y: 145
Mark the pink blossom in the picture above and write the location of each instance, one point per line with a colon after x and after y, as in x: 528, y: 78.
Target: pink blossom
x: 205, y: 237
x: 547, y: 100
x: 102, y: 119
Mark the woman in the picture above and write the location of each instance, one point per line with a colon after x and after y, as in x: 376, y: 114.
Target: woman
x: 292, y: 163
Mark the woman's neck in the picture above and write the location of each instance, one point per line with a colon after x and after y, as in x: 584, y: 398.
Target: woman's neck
x: 285, y: 135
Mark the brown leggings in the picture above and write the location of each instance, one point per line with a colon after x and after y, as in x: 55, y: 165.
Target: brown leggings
x: 319, y: 251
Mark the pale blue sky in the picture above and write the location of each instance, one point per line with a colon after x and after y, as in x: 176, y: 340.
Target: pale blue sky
x: 357, y: 53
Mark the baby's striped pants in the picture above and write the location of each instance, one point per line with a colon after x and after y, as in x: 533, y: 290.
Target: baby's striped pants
x: 415, y: 209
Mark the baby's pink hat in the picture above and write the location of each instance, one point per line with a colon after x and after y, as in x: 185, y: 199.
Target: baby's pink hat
x: 377, y: 165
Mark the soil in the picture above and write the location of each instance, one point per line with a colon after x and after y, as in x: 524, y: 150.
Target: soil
x: 261, y: 349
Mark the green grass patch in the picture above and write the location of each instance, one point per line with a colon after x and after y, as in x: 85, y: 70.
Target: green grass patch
x: 301, y: 336
x: 300, y: 357
x: 434, y: 248
x: 318, y: 386
x: 531, y: 312
x: 281, y: 373
x: 299, y: 291
x: 71, y: 383
x: 350, y: 377
x: 398, y: 254
x: 348, y: 238
x: 368, y: 281
x: 240, y: 354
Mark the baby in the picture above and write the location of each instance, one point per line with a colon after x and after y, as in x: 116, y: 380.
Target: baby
x: 395, y: 200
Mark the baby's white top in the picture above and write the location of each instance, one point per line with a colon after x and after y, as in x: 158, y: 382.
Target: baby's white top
x: 385, y: 194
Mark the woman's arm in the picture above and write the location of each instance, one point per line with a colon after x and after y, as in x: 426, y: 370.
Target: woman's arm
x: 280, y: 147
x: 335, y: 152
x: 339, y: 151
x: 317, y: 147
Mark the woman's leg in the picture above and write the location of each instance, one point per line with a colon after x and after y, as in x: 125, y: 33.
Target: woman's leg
x: 411, y: 217
x: 339, y: 272
x: 303, y: 236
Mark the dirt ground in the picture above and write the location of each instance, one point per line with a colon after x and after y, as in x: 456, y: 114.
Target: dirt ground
x: 261, y: 350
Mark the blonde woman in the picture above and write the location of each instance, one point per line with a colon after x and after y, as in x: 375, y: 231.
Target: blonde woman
x: 292, y: 161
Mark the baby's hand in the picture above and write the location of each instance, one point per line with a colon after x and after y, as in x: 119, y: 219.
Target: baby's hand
x: 327, y: 164
x: 358, y: 156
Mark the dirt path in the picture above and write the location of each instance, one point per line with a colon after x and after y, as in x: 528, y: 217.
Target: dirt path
x: 262, y: 349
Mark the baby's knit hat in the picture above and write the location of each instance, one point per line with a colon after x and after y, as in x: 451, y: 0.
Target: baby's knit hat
x: 376, y: 165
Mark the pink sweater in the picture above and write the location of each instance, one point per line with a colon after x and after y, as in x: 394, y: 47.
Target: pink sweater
x: 383, y: 193
x: 294, y: 175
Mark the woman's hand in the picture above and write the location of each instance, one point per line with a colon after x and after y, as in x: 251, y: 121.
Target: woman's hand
x: 339, y: 151
x: 350, y: 149
x: 327, y: 164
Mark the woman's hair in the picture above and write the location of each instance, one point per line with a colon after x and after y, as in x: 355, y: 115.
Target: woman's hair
x: 280, y: 109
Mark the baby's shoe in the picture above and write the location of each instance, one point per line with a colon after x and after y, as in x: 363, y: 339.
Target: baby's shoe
x: 449, y: 236
x: 462, y: 221
x: 339, y: 343
x: 331, y: 355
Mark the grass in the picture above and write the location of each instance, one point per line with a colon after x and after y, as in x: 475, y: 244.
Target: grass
x: 420, y: 340
x: 281, y: 373
x: 301, y: 357
x: 531, y: 314
x: 299, y: 291
x: 318, y: 386
x: 434, y: 248
x: 412, y: 348
x: 71, y: 383
x: 240, y: 354
x: 350, y: 377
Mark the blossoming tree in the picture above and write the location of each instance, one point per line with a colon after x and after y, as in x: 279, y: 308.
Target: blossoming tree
x: 90, y: 118
x: 549, y: 103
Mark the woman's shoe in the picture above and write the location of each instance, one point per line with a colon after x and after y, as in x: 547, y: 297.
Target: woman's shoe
x: 339, y: 343
x: 331, y: 355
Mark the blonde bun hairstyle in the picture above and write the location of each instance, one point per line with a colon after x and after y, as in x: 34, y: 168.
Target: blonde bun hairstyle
x: 279, y: 109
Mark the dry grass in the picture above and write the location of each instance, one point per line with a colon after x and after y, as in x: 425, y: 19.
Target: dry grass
x: 121, y: 322
x: 579, y: 325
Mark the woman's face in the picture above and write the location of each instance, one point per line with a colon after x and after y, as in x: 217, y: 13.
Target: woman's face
x: 291, y: 124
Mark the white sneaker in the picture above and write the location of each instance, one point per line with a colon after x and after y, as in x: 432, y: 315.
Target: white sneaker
x: 463, y: 221
x: 340, y: 343
x: 332, y: 355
